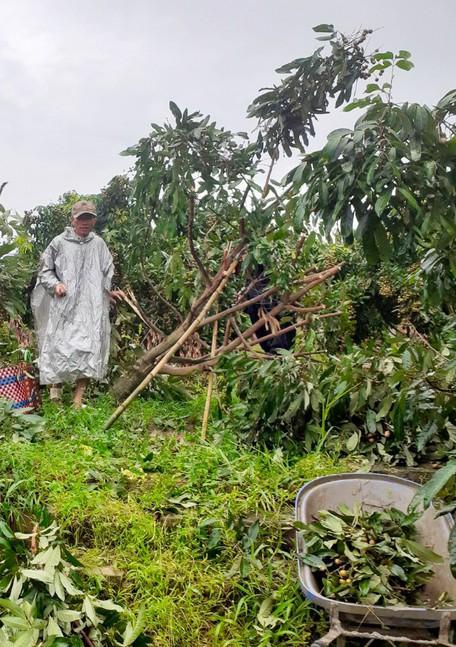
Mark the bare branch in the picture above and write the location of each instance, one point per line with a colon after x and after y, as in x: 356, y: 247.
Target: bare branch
x: 240, y: 306
x: 283, y: 331
x: 165, y: 302
x: 132, y: 301
x: 268, y: 178
x: 310, y: 281
x: 329, y: 315
x: 226, y: 336
x: 300, y: 245
x: 303, y: 309
x: 210, y: 384
x: 240, y: 335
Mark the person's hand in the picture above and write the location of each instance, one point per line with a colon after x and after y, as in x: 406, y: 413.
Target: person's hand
x: 116, y: 295
x: 60, y: 290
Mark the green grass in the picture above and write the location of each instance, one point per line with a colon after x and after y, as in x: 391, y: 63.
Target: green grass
x: 166, y: 522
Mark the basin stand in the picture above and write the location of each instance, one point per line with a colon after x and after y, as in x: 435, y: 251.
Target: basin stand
x: 340, y: 630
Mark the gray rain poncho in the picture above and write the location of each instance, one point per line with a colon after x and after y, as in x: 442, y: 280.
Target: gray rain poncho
x: 73, y: 331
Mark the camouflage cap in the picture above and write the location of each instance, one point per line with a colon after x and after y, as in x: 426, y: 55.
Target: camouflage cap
x: 81, y: 207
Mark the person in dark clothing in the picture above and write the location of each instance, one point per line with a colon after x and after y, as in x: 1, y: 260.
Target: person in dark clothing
x: 255, y: 310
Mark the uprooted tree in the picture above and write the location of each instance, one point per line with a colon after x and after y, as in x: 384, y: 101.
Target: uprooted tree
x: 210, y: 242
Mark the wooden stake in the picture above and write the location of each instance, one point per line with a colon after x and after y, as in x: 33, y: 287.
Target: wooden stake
x: 168, y: 355
x: 210, y: 384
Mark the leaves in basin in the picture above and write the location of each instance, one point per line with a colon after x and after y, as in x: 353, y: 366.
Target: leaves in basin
x: 368, y: 557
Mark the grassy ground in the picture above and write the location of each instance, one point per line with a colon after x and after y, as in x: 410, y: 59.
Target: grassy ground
x: 197, y: 533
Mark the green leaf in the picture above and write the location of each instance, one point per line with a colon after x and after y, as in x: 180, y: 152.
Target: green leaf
x: 352, y: 442
x: 264, y: 617
x: 132, y: 632
x: 331, y: 522
x: 381, y: 203
x: 399, y: 572
x: 41, y: 576
x: 89, y: 610
x: 425, y: 435
x: 13, y: 606
x: 337, y: 140
x: 383, y: 56
x: 405, y: 65
x: 176, y: 111
x: 385, y: 407
x: 403, y: 53
x: 6, y: 531
x: 422, y: 552
x: 409, y: 197
x: 382, y: 242
x: 372, y: 87
x: 49, y: 557
x: 415, y: 150
x: 371, y: 421
x: 312, y: 560
x: 420, y: 120
x: 68, y: 585
x: 15, y: 622
x: 53, y: 628
x: 359, y: 103
x: 380, y: 66
x: 432, y: 488
x: 67, y: 615
x: 27, y: 639
x: 107, y: 605
x: 407, y: 360
x: 364, y: 586
x: 398, y: 417
x: 323, y: 28
x: 346, y: 224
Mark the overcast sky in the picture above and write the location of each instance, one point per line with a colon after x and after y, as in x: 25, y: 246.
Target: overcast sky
x: 81, y: 81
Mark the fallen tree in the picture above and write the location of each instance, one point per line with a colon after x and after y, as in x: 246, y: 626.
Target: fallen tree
x: 201, y: 225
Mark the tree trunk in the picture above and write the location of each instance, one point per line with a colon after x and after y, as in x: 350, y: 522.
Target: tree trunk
x: 125, y: 384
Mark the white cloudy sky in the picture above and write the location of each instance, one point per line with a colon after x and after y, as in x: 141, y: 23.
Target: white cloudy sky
x: 81, y: 81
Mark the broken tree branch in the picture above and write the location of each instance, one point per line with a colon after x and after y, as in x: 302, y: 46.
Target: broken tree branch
x: 175, y: 347
x: 210, y: 384
x: 131, y: 301
x: 239, y: 306
x: 142, y: 367
x: 241, y: 336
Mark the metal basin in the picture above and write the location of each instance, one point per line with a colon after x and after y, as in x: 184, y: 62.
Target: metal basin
x: 376, y: 491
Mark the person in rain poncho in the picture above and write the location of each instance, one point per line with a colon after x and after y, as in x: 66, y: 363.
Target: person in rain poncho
x: 71, y: 303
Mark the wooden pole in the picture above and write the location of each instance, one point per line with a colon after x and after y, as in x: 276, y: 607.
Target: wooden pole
x: 210, y: 385
x: 167, y: 356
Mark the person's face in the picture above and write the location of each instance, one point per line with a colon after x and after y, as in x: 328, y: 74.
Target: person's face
x: 84, y: 224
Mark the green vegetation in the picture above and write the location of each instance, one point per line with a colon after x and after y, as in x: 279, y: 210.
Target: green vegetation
x: 369, y: 557
x: 198, y: 535
x: 354, y: 250
x: 46, y: 604
x: 392, y: 400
